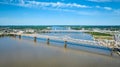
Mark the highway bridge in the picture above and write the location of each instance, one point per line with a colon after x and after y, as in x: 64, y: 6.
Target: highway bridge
x: 110, y: 45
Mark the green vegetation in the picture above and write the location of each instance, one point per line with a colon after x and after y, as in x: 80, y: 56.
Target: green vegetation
x: 75, y: 27
x: 112, y: 28
x: 25, y: 27
x: 98, y: 34
x: 29, y: 33
x: 103, y: 37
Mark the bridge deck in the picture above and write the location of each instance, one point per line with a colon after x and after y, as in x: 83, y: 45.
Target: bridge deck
x: 68, y: 39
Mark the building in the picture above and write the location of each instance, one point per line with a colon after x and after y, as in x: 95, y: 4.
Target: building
x: 29, y: 31
x: 117, y: 37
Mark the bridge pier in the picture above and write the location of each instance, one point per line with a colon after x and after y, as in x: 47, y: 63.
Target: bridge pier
x: 2, y: 35
x: 14, y: 35
x: 19, y: 36
x: 111, y: 52
x: 35, y: 39
x: 65, y: 44
x: 48, y: 41
x: 115, y: 50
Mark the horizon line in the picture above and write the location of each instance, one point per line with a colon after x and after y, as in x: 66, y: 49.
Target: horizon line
x: 59, y: 25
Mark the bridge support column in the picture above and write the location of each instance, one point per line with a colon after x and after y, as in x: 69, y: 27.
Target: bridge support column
x: 35, y: 39
x: 2, y: 35
x: 65, y: 44
x: 111, y: 52
x: 19, y: 36
x: 14, y: 35
x: 48, y: 41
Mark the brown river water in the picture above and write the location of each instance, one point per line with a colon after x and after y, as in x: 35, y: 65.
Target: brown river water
x: 16, y: 52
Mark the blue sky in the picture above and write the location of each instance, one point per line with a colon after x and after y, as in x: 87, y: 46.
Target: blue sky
x: 59, y: 12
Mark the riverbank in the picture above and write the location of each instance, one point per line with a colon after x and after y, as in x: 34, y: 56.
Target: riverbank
x: 99, y: 35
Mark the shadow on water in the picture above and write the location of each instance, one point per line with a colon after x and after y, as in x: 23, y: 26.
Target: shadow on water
x: 83, y: 47
x: 70, y: 45
x: 75, y: 46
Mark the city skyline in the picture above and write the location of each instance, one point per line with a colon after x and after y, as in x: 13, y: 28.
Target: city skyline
x: 59, y: 12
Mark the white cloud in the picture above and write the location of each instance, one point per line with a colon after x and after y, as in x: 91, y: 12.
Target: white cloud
x: 36, y: 4
x: 107, y: 8
x: 97, y: 6
x: 60, y: 6
x: 56, y: 4
x: 77, y: 11
x: 100, y: 0
x: 104, y: 0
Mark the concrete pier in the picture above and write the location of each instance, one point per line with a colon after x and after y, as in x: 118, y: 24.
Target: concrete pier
x: 19, y: 36
x: 111, y: 51
x: 35, y: 39
x: 65, y: 44
x: 48, y: 41
x: 14, y: 35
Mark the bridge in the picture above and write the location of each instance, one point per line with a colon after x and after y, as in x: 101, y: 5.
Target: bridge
x: 69, y: 39
x: 111, y: 45
x: 59, y: 31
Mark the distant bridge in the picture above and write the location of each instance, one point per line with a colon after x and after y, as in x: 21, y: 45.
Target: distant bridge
x: 62, y: 31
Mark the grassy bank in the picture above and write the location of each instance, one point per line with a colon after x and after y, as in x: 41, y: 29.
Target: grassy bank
x: 103, y: 37
x: 98, y: 35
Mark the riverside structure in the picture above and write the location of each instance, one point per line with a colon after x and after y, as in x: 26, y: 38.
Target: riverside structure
x: 111, y: 45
